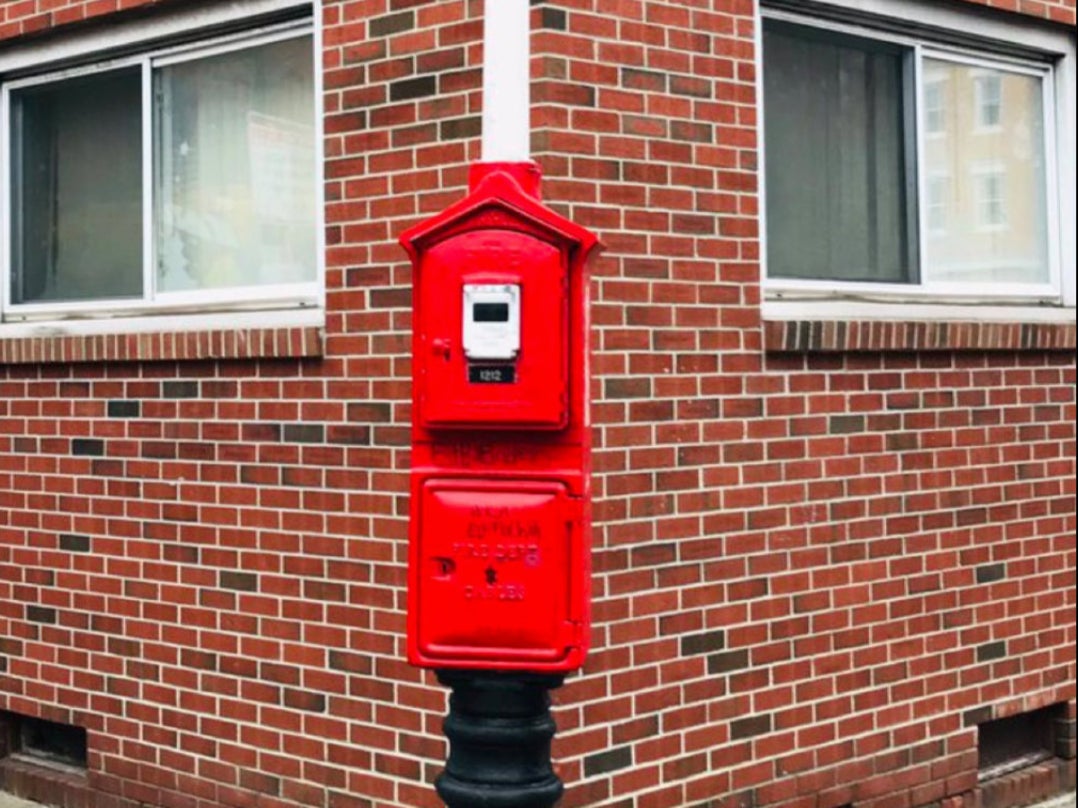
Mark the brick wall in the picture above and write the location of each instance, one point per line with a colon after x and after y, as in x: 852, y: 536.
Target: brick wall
x: 26, y: 17
x: 818, y: 565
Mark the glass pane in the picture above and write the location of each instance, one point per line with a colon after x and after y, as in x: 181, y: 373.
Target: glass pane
x: 77, y: 190
x: 235, y: 170
x: 991, y: 149
x: 836, y: 157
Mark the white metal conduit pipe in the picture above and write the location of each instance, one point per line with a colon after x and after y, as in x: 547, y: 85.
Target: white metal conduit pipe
x: 506, y: 82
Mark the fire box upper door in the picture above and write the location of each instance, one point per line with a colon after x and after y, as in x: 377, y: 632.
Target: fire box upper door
x: 492, y: 322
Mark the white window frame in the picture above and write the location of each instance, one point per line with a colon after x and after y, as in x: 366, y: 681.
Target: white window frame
x: 282, y: 305
x: 786, y: 298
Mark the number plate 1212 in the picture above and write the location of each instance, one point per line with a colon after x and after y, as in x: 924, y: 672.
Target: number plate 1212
x: 492, y: 374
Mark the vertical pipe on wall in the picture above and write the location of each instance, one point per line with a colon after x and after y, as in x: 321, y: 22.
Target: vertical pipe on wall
x: 506, y: 87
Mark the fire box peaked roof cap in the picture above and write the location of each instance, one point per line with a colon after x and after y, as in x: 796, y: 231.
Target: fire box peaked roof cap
x: 498, y: 191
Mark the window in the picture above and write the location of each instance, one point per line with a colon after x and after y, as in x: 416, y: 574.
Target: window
x: 45, y: 741
x: 1010, y: 744
x: 935, y: 112
x: 902, y: 166
x: 991, y: 199
x: 936, y: 204
x: 988, y: 100
x: 178, y: 178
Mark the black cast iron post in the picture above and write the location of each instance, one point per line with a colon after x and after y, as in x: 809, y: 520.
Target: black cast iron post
x: 500, y: 730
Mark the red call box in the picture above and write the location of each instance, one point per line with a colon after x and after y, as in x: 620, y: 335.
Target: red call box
x: 499, y: 543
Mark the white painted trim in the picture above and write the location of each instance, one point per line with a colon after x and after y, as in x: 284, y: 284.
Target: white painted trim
x: 94, y: 69
x: 506, y: 81
x: 1011, y: 28
x: 319, y: 153
x: 6, y: 251
x: 920, y: 167
x: 232, y: 298
x: 761, y: 140
x: 242, y: 40
x: 80, y: 45
x: 1016, y: 293
x: 149, y: 256
x: 171, y: 323
x: 1066, y: 79
x: 856, y: 310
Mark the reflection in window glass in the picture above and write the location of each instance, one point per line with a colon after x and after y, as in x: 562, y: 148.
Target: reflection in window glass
x: 989, y: 100
x: 939, y: 190
x: 77, y: 193
x: 991, y: 202
x: 235, y: 169
x: 996, y: 229
x: 935, y: 121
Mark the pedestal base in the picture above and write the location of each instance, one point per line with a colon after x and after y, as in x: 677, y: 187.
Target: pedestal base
x: 499, y: 729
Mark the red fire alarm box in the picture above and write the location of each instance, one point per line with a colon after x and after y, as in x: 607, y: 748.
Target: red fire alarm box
x: 499, y: 544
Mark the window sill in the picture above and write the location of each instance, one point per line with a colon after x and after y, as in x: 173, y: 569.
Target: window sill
x: 842, y: 326
x: 251, y: 335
